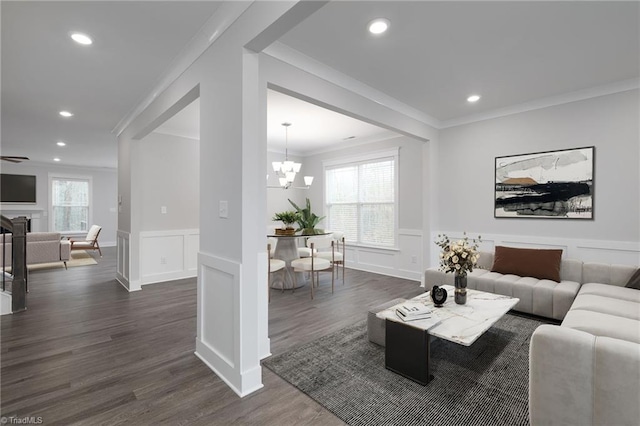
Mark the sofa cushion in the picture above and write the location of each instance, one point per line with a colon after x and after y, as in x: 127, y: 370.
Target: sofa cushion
x: 536, y: 263
x: 605, y: 273
x: 611, y: 291
x: 43, y: 236
x: 607, y: 305
x: 601, y: 324
x: 571, y: 270
x: 634, y: 281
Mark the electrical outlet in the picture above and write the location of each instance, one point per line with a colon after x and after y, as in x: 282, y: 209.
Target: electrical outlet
x: 163, y: 260
x: 223, y: 209
x: 414, y: 259
x: 163, y: 210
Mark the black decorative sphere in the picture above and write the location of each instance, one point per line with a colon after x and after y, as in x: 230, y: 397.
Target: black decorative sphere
x: 438, y: 295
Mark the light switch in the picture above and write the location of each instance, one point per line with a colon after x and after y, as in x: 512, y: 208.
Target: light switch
x: 163, y: 209
x: 224, y: 209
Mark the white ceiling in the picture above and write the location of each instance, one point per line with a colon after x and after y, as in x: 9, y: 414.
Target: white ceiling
x: 312, y: 129
x: 44, y: 71
x: 434, y: 55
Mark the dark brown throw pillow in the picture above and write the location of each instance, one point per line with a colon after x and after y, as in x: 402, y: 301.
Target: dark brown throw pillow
x: 543, y: 264
x: 634, y: 281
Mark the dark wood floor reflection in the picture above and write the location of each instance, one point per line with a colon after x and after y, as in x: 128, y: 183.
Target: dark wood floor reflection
x: 88, y: 352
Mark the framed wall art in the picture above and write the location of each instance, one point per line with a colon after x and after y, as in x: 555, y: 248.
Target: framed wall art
x: 552, y: 184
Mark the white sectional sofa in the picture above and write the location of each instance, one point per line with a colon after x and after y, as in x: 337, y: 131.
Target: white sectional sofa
x: 587, y: 370
x: 539, y: 297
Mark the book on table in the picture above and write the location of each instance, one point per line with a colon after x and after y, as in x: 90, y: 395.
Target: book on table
x: 413, y: 311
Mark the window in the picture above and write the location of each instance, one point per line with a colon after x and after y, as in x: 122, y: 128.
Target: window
x: 70, y: 203
x: 361, y: 199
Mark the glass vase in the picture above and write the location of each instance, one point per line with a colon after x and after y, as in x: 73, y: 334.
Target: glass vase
x: 460, y: 281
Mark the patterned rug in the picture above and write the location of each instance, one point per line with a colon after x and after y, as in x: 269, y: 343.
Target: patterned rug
x: 484, y: 384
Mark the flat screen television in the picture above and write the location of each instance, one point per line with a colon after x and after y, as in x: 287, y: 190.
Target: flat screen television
x: 17, y: 188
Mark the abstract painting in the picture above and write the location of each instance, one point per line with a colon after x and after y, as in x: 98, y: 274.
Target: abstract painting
x: 553, y: 184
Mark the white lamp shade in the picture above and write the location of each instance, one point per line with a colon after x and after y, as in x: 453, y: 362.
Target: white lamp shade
x: 283, y: 181
x: 287, y: 166
x: 290, y: 176
x: 296, y: 167
x: 276, y: 165
x: 308, y: 180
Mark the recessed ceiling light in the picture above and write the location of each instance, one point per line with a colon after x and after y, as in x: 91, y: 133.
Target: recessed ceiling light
x: 66, y: 114
x: 378, y: 26
x: 56, y: 159
x: 473, y: 98
x: 81, y: 38
x: 60, y: 143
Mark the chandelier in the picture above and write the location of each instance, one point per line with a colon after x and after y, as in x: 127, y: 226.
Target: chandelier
x: 286, y: 170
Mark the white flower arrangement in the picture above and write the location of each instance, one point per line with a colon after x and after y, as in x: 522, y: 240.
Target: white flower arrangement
x: 458, y: 256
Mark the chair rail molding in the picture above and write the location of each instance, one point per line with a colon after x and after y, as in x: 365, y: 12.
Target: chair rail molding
x: 598, y: 251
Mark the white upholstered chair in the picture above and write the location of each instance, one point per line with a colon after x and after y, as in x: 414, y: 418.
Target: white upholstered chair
x: 272, y: 242
x: 314, y: 264
x: 275, y: 265
x: 90, y: 242
x: 335, y: 256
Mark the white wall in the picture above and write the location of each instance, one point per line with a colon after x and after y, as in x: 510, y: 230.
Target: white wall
x: 168, y: 170
x: 610, y: 123
x: 168, y: 175
x: 104, y: 181
x: 407, y: 260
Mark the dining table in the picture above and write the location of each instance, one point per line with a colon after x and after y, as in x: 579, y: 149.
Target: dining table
x: 287, y: 250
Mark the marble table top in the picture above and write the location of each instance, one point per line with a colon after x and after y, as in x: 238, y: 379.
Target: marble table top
x: 462, y: 324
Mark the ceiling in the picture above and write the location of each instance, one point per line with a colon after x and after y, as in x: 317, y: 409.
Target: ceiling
x: 313, y: 128
x: 44, y: 71
x: 434, y: 55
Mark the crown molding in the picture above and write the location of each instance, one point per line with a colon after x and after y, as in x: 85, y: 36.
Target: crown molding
x: 299, y: 60
x: 223, y: 17
x: 578, y: 95
x: 385, y: 136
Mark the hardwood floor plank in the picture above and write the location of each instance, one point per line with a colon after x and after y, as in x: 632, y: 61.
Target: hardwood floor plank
x: 88, y: 352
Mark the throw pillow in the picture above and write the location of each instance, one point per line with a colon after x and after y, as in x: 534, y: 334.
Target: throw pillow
x: 634, y: 281
x: 543, y: 264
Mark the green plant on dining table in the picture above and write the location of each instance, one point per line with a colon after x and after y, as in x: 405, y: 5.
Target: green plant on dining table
x: 307, y: 220
x: 288, y: 218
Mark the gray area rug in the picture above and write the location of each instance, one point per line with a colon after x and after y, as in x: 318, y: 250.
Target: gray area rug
x: 484, y: 384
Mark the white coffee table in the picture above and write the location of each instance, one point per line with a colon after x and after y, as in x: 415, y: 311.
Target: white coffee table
x: 407, y: 343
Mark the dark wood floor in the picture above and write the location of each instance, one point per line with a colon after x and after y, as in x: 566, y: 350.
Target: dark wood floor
x: 88, y: 352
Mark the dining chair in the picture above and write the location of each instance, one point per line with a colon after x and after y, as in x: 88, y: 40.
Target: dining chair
x: 314, y: 264
x: 273, y: 242
x: 275, y: 265
x: 335, y: 256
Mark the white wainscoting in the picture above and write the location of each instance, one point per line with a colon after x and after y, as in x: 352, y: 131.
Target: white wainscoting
x: 123, y: 260
x: 219, y: 325
x: 599, y: 251
x: 168, y: 255
x: 404, y: 262
x: 5, y: 303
